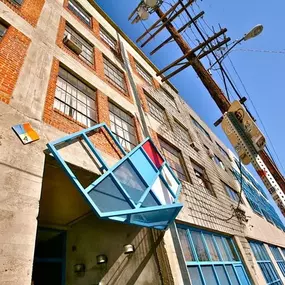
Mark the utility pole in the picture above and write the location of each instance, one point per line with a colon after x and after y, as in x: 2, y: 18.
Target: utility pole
x: 265, y: 167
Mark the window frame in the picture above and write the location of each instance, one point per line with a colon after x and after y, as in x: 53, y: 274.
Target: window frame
x: 232, y: 193
x: 219, y: 162
x: 124, y: 142
x: 264, y: 262
x: 83, y: 41
x: 143, y: 73
x: 178, y: 154
x: 183, y: 132
x: 78, y: 11
x: 203, y: 176
x: 155, y: 108
x: 107, y: 38
x: 115, y: 70
x: 169, y: 98
x: 278, y: 257
x: 201, y: 128
x: 5, y: 26
x: 217, y: 252
x: 223, y: 152
x: 70, y: 106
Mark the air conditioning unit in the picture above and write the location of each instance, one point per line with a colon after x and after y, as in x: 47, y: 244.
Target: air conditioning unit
x: 72, y: 44
x: 210, y: 153
x: 195, y: 146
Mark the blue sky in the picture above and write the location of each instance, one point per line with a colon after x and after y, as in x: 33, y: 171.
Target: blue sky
x: 262, y: 73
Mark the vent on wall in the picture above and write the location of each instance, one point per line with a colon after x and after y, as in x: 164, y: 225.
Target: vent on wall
x: 74, y: 45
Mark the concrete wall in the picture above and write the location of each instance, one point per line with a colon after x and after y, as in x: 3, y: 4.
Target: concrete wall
x: 92, y: 237
x: 29, y: 102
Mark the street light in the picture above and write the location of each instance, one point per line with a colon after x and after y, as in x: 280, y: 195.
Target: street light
x: 254, y: 32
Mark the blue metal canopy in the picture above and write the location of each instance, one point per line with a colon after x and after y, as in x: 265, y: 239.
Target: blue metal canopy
x: 140, y: 189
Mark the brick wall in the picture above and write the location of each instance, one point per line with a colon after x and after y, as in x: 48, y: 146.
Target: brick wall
x: 13, y: 49
x: 30, y: 10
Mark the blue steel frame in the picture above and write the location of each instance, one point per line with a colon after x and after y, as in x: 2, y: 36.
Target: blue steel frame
x: 259, y: 203
x: 136, y: 208
x: 199, y: 264
x: 278, y: 258
x: 263, y: 260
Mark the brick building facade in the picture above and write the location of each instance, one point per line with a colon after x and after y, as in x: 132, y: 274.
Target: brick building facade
x: 47, y: 228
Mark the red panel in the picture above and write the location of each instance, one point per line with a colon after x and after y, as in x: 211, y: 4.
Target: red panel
x: 153, y: 154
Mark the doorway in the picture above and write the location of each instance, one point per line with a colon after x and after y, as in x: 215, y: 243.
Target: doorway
x: 49, y: 259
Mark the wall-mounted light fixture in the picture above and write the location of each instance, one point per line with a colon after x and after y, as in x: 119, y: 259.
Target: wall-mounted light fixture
x: 79, y: 268
x: 129, y: 248
x: 101, y: 259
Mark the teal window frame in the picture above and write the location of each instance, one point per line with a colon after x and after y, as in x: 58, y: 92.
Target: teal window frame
x: 263, y: 260
x: 278, y: 258
x: 220, y: 257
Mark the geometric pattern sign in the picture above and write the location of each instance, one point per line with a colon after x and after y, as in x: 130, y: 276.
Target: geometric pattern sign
x: 140, y: 189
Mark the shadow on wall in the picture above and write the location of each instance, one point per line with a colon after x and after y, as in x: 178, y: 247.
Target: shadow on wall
x: 87, y: 236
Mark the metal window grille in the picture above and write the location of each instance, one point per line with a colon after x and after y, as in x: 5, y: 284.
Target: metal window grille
x: 175, y: 160
x: 169, y: 98
x: 232, y: 193
x: 182, y: 131
x: 115, y: 75
x: 106, y: 37
x: 122, y: 125
x: 80, y: 12
x: 258, y: 202
x: 3, y: 30
x: 262, y: 258
x: 87, y: 53
x: 75, y: 99
x: 219, y: 162
x: 211, y: 258
x: 278, y: 258
x: 202, y: 177
x: 144, y: 74
x: 199, y: 126
x: 223, y: 151
x: 156, y: 110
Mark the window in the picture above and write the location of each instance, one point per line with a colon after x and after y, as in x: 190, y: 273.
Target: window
x: 122, y: 125
x: 224, y: 153
x: 19, y: 2
x: 182, y: 131
x: 143, y: 73
x: 232, y: 193
x: 219, y: 162
x: 169, y: 98
x: 115, y: 75
x: 106, y: 37
x: 199, y: 126
x: 3, y: 30
x: 156, y: 110
x: 265, y: 264
x: 174, y: 158
x: 258, y: 202
x: 278, y: 258
x: 80, y: 12
x: 211, y: 258
x: 75, y: 99
x: 202, y: 177
x: 87, y: 53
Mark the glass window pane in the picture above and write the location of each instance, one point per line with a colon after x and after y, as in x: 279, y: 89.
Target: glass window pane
x: 232, y: 275
x: 231, y: 249
x: 209, y: 275
x: 195, y: 275
x: 220, y: 270
x: 211, y: 247
x: 222, y: 249
x: 199, y: 246
x: 188, y: 254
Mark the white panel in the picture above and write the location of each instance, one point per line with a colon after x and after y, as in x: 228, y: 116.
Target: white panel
x: 161, y: 192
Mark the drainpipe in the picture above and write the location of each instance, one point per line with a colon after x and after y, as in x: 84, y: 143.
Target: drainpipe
x: 172, y: 227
